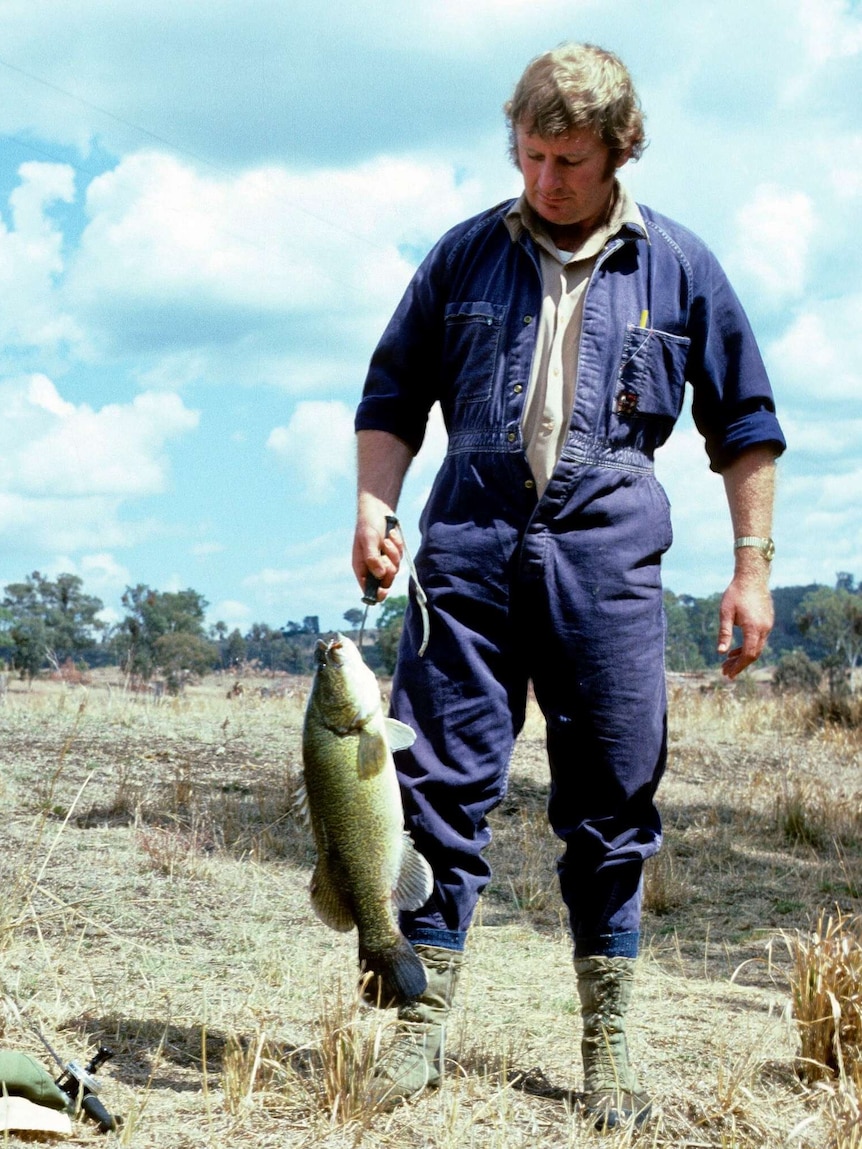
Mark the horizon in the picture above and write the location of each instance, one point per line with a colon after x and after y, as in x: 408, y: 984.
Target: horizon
x: 207, y: 219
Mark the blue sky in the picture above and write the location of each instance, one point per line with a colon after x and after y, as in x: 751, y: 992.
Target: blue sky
x: 209, y: 210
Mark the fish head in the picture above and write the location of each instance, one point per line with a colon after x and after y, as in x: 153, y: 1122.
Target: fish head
x: 347, y: 687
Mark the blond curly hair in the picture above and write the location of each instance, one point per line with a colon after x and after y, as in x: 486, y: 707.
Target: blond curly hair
x: 578, y: 86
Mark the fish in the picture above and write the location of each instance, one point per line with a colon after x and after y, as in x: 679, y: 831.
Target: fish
x: 367, y: 867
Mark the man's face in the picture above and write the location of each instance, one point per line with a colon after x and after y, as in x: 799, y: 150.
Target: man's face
x: 568, y: 179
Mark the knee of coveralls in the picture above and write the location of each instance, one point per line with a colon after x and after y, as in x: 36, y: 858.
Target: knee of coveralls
x: 465, y: 698
x: 602, y: 807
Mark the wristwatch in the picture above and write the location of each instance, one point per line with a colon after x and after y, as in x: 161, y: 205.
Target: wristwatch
x: 765, y: 546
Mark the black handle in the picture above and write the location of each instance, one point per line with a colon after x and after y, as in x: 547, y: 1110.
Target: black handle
x: 96, y: 1111
x: 372, y: 582
x: 372, y: 585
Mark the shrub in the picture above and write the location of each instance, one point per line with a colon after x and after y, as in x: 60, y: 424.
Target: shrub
x: 796, y: 671
x: 836, y: 710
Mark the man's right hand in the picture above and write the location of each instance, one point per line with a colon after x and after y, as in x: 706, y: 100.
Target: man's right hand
x: 382, y: 463
x: 374, y: 551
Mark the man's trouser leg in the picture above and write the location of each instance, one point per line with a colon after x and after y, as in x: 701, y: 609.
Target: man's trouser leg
x: 601, y: 685
x: 465, y: 699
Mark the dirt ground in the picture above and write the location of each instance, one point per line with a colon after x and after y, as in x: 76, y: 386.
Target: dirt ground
x: 156, y: 900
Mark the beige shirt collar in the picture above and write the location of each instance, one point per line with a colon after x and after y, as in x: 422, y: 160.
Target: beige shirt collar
x: 520, y: 218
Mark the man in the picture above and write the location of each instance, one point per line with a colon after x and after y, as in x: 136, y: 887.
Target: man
x: 557, y: 332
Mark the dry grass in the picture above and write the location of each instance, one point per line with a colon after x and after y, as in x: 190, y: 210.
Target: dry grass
x: 155, y: 899
x: 826, y: 983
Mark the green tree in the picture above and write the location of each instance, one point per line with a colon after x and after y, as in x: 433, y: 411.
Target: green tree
x: 786, y: 636
x: 179, y: 654
x: 50, y: 620
x: 681, y: 648
x: 703, y: 626
x: 154, y: 615
x: 235, y: 651
x: 259, y: 642
x: 354, y: 617
x: 29, y: 638
x: 390, y: 624
x: 832, y: 619
x: 287, y: 649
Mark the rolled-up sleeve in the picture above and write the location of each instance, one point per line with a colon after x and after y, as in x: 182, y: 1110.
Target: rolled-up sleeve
x: 403, y: 377
x: 733, y: 405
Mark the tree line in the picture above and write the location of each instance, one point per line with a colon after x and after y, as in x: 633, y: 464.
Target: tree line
x: 50, y: 623
x: 817, y: 633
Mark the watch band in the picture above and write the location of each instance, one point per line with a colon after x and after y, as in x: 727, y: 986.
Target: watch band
x: 765, y: 546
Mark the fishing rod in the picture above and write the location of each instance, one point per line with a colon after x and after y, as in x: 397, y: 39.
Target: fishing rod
x: 76, y: 1081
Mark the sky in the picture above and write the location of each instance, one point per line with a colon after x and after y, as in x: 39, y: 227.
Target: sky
x: 209, y: 210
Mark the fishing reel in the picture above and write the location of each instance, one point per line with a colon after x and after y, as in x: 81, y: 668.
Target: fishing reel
x: 80, y: 1085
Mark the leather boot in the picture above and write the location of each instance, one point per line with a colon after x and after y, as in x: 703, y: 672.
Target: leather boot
x: 414, y: 1060
x: 612, y: 1095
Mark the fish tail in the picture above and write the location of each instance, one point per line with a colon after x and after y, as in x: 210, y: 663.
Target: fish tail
x: 393, y: 975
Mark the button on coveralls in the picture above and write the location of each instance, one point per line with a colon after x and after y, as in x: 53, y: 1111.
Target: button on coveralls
x: 564, y: 590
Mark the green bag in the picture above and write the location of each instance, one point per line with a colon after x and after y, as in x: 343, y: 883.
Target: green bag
x: 23, y: 1076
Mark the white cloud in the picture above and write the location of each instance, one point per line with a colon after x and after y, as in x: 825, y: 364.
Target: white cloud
x: 774, y: 229
x: 818, y: 523
x: 430, y: 456
x: 42, y: 393
x: 268, y: 239
x: 50, y: 525
x: 318, y: 447
x: 315, y: 577
x: 816, y: 359
x: 68, y: 469
x: 823, y: 446
x: 699, y: 508
x: 31, y: 259
x: 260, y: 244
x: 829, y: 29
x: 103, y: 570
x: 423, y: 469
x: 235, y: 615
x: 117, y: 450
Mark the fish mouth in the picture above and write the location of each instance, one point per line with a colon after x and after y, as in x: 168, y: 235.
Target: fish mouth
x: 327, y: 652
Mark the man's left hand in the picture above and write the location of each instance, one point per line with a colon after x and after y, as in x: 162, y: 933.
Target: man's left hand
x: 747, y: 604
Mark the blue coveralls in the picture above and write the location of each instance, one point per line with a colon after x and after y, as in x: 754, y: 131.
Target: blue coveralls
x: 565, y: 590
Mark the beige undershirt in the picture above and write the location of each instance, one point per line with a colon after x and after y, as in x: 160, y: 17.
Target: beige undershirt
x: 565, y: 275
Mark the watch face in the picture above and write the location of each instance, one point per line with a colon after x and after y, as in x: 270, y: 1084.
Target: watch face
x: 769, y: 550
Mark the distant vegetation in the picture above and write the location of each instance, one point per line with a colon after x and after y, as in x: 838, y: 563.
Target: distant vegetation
x: 817, y: 632
x: 50, y: 624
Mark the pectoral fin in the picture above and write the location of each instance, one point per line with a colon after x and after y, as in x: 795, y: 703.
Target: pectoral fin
x: 415, y: 880
x: 373, y: 754
x: 400, y: 735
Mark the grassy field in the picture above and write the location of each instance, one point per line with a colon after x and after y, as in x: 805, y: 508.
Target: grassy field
x: 155, y: 899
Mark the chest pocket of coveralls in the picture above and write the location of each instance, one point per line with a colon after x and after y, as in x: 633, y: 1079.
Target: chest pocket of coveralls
x: 471, y: 339
x: 651, y: 380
